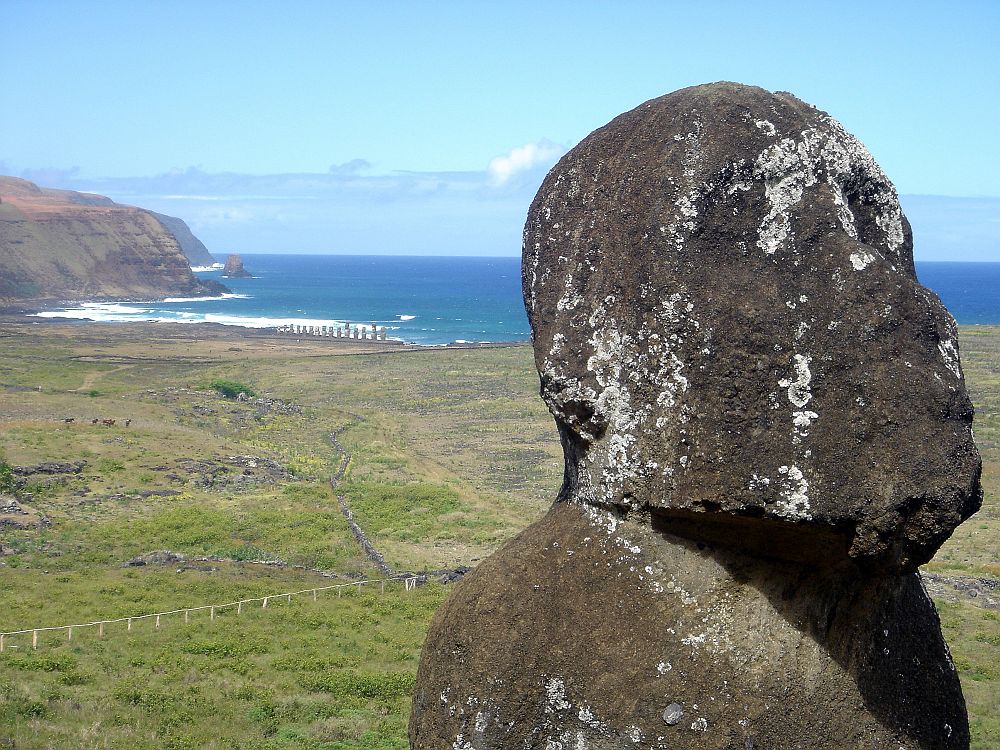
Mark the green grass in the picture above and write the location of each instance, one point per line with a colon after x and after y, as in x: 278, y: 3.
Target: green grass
x: 452, y: 454
x: 335, y: 673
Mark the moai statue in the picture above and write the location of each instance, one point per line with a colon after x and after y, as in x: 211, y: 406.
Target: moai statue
x: 766, y: 430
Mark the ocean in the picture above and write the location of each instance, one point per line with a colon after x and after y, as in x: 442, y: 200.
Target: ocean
x: 433, y: 300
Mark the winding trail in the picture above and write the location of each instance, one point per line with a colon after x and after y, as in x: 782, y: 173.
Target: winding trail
x: 91, y: 378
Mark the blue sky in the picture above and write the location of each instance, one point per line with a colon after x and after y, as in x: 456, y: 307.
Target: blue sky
x: 426, y: 127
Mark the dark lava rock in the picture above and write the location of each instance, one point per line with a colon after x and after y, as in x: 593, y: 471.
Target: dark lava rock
x: 51, y: 467
x: 765, y: 429
x: 727, y: 324
x: 234, y: 268
x: 157, y: 557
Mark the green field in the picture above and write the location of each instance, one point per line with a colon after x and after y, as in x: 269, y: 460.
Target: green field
x: 452, y: 453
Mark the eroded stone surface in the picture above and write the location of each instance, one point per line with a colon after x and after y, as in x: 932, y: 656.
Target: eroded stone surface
x: 581, y: 632
x: 766, y: 430
x: 727, y: 321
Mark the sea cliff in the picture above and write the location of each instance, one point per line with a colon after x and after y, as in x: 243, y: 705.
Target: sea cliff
x: 62, y: 244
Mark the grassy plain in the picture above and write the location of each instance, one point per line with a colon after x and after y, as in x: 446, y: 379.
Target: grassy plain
x: 452, y: 454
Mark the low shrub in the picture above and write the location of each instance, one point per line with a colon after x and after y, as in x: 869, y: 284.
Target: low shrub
x: 231, y: 388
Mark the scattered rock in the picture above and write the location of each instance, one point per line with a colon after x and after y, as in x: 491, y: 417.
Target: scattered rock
x: 264, y: 405
x: 252, y: 471
x: 50, y: 467
x: 451, y: 576
x: 10, y: 506
x: 766, y: 430
x: 157, y: 557
x: 16, y: 515
x: 983, y: 592
x: 142, y: 494
x: 673, y: 714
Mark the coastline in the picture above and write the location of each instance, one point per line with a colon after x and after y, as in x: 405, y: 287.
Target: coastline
x: 46, y: 311
x: 16, y: 320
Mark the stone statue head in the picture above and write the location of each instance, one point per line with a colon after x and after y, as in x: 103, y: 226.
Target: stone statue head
x: 730, y: 333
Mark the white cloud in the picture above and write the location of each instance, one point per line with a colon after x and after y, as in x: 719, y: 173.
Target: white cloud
x: 521, y: 159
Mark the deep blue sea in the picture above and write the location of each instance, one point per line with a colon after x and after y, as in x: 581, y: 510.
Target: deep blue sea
x: 435, y: 300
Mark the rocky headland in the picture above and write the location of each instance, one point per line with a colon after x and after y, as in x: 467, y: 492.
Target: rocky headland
x: 766, y: 430
x: 60, y: 244
x: 193, y: 248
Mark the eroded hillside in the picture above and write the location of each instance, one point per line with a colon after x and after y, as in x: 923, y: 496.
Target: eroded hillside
x: 59, y: 244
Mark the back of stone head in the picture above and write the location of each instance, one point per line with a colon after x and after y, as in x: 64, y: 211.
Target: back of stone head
x: 731, y: 337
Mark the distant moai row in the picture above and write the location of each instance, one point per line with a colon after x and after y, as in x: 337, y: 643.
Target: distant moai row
x: 346, y: 331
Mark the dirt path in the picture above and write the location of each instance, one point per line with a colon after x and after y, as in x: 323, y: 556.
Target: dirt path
x: 92, y: 377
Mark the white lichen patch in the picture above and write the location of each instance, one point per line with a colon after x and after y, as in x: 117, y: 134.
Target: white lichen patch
x: 798, y: 390
x: 624, y: 362
x: 794, y: 496
x: 779, y: 167
x: 949, y: 353
x: 861, y: 259
x: 802, y: 420
x: 555, y: 695
x: 766, y: 126
x: 828, y: 154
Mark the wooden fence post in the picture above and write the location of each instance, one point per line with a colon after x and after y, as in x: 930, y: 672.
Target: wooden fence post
x: 34, y: 639
x: 314, y: 594
x: 264, y: 606
x: 157, y: 622
x: 211, y: 612
x: 69, y: 633
x: 100, y: 630
x: 186, y: 616
x: 1, y: 644
x: 289, y: 598
x: 239, y: 607
x: 129, y: 628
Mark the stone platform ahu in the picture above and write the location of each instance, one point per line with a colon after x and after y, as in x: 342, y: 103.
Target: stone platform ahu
x: 766, y: 430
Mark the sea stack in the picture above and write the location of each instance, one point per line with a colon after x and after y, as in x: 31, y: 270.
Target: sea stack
x: 234, y: 268
x: 766, y: 430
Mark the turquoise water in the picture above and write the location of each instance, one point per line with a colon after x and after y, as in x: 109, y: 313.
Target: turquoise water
x: 435, y: 300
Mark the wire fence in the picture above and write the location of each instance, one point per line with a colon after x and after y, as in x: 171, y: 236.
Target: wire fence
x: 410, y: 583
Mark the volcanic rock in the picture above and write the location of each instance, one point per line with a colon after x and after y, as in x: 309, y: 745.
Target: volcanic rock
x: 234, y: 268
x: 193, y: 248
x: 765, y: 428
x: 64, y: 244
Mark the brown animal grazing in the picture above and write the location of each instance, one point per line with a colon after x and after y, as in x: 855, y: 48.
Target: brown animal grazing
x: 67, y: 420
x: 95, y: 420
x: 128, y: 422
x: 108, y: 422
